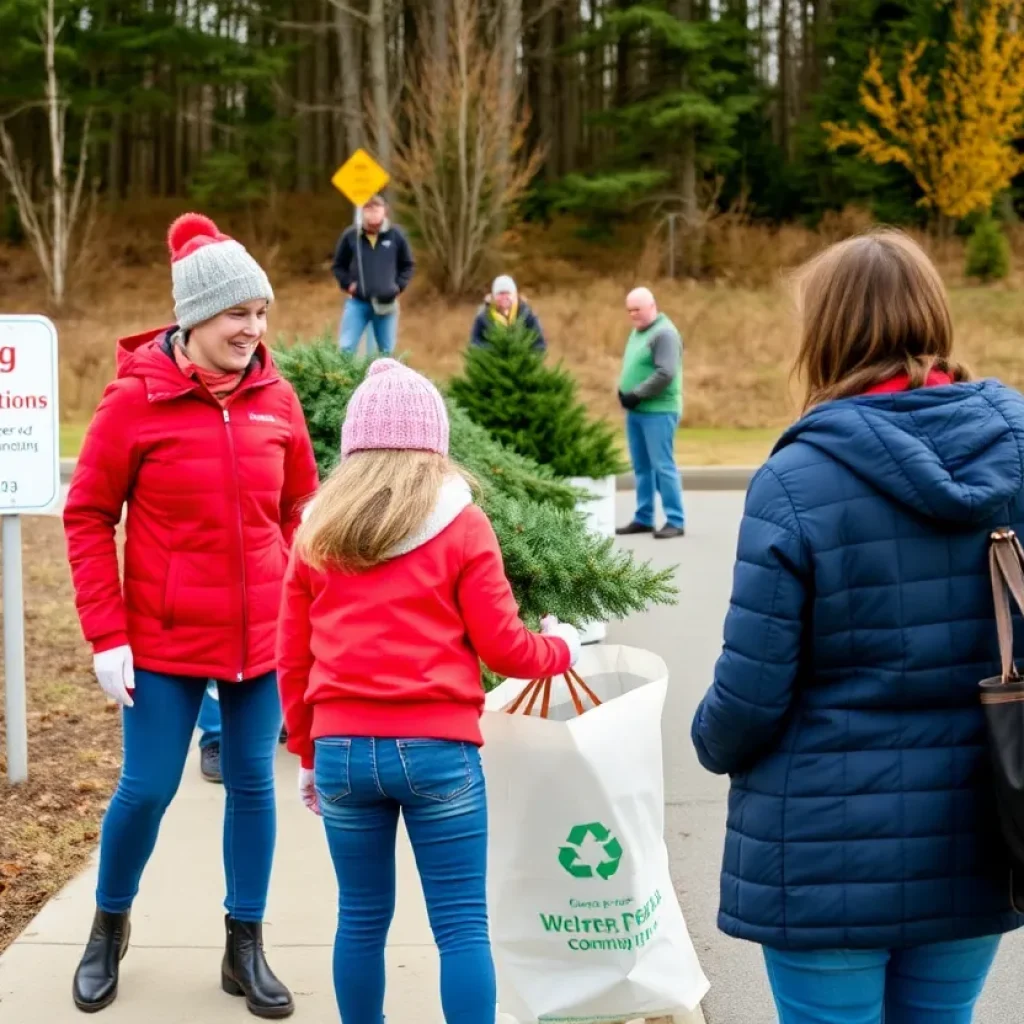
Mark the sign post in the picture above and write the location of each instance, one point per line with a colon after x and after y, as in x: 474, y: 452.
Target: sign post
x: 29, y: 483
x: 359, y: 178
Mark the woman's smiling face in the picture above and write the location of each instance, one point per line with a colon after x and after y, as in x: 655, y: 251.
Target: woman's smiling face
x: 225, y: 343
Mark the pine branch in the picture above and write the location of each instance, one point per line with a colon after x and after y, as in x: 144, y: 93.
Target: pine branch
x: 556, y: 566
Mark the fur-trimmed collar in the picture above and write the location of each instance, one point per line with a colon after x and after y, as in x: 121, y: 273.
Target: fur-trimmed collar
x: 453, y: 497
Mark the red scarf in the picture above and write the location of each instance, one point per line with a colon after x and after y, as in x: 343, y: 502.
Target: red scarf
x: 901, y: 382
x: 219, y: 384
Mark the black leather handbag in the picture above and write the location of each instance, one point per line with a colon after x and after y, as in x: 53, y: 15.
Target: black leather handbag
x: 1002, y: 698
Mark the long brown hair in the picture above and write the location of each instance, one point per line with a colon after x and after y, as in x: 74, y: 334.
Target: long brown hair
x: 372, y: 502
x: 872, y: 307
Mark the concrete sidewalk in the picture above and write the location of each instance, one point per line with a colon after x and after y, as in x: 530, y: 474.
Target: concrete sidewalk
x: 171, y: 974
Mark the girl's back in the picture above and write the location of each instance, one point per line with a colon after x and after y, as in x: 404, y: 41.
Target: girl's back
x: 394, y: 593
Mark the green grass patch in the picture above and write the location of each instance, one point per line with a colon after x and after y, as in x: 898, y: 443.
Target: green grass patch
x: 71, y: 435
x: 695, y: 446
x: 725, y: 446
x: 722, y: 446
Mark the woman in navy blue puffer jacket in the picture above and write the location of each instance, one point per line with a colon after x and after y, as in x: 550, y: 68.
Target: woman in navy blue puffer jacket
x: 862, y: 850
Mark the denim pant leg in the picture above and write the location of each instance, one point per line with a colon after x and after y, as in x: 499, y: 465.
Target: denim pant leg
x: 643, y: 468
x: 361, y: 824
x: 385, y: 332
x: 355, y: 318
x: 660, y: 428
x: 445, y: 809
x: 938, y: 983
x: 251, y: 723
x: 209, y: 717
x: 157, y: 733
x: 830, y: 986
x: 439, y: 786
x: 932, y: 984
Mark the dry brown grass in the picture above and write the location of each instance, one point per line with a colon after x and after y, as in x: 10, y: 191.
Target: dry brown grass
x: 49, y: 825
x: 739, y: 327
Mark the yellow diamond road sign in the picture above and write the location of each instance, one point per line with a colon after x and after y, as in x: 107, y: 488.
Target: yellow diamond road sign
x: 360, y: 177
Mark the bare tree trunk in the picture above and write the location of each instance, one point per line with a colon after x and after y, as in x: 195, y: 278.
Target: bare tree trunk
x: 115, y: 175
x: 595, y: 92
x: 350, y: 60
x: 306, y: 126
x: 683, y: 10
x: 323, y: 95
x: 784, y: 77
x: 508, y: 43
x: 546, y: 93
x: 804, y: 74
x: 50, y: 235
x: 56, y: 111
x: 180, y: 150
x: 570, y: 81
x: 819, y: 20
x: 762, y: 41
x: 379, y: 81
x: 623, y: 65
x: 440, y: 22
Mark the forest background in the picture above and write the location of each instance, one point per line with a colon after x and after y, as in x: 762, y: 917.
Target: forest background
x: 702, y: 146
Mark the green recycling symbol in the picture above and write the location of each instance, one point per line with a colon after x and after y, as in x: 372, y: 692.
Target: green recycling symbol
x: 569, y: 855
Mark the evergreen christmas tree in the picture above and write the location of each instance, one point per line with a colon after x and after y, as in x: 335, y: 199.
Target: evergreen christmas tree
x: 988, y: 251
x: 554, y: 564
x: 507, y: 388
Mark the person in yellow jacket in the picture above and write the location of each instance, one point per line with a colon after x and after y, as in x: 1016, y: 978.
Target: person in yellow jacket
x: 503, y: 308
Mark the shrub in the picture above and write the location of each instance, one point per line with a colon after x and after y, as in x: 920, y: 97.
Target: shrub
x: 988, y: 252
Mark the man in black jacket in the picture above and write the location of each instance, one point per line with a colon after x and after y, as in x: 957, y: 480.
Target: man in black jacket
x: 373, y: 265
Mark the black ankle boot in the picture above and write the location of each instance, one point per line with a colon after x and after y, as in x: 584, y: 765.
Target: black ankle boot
x: 95, y: 985
x: 245, y: 972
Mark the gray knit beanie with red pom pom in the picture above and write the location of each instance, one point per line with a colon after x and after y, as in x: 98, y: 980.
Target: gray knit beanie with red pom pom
x: 211, y: 271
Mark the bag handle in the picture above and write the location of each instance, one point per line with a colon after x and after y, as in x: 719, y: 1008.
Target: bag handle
x: 1005, y: 558
x: 542, y: 688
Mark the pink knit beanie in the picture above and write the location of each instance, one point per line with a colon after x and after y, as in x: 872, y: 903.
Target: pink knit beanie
x: 395, y: 408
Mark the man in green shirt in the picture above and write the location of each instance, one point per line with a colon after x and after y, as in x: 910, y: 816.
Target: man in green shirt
x: 651, y: 392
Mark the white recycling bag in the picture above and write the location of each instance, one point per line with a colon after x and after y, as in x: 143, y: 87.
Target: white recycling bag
x: 585, y: 923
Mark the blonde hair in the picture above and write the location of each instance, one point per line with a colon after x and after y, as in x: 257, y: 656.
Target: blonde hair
x: 372, y: 502
x: 872, y: 307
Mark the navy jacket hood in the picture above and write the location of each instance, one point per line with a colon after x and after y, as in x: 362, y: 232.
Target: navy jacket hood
x: 844, y: 705
x: 953, y: 454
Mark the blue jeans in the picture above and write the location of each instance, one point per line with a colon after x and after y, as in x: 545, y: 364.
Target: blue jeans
x: 356, y: 317
x: 157, y: 734
x: 933, y: 984
x: 438, y: 787
x: 209, y: 717
x: 652, y: 438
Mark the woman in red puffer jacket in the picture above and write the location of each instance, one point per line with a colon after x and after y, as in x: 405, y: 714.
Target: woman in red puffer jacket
x: 208, y: 446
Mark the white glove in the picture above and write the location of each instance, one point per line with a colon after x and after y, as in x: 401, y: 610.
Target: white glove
x: 116, y: 672
x: 307, y: 790
x: 550, y: 626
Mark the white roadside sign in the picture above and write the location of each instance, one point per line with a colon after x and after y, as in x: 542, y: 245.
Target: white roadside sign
x: 29, y: 415
x: 29, y: 483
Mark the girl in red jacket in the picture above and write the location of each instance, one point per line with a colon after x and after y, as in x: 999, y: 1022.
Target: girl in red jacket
x: 208, y: 446
x: 394, y: 592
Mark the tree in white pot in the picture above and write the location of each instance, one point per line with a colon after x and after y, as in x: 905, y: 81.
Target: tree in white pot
x: 507, y: 387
